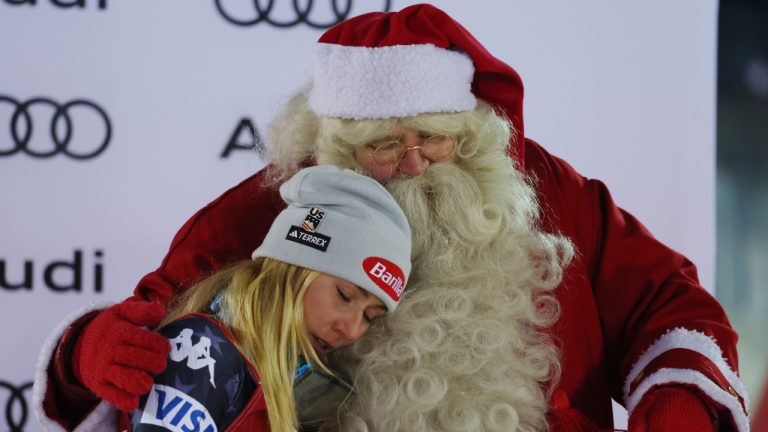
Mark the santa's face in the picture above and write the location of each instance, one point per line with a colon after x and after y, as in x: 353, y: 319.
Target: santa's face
x: 407, y: 152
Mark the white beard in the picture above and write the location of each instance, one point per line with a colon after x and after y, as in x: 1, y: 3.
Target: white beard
x: 465, y: 350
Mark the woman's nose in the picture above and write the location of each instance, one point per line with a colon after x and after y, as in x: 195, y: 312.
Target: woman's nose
x: 351, y: 327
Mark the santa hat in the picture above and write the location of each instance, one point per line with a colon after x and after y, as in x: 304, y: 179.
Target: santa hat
x: 417, y: 60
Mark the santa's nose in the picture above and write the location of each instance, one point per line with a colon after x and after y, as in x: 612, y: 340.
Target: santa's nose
x: 413, y: 162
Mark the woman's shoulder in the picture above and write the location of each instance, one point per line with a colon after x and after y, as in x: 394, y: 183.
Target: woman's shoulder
x: 201, y: 324
x: 200, y: 344
x: 206, y: 380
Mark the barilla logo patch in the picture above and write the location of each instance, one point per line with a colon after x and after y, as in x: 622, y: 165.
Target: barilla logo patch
x: 386, y: 275
x: 313, y: 219
x: 306, y: 238
x: 176, y: 411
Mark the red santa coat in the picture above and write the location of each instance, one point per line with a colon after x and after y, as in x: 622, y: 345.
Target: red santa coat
x: 633, y: 314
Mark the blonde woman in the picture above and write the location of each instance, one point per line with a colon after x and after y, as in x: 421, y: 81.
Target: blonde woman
x: 334, y: 260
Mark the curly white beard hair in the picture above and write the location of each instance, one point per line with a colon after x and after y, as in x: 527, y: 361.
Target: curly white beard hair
x: 466, y: 349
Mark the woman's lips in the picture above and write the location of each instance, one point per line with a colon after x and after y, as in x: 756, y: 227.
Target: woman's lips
x: 320, y: 345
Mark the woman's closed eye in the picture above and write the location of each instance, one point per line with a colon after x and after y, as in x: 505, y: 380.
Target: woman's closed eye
x: 343, y: 295
x: 367, y: 317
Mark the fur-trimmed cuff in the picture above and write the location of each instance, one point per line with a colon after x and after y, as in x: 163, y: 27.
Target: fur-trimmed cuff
x: 103, y: 417
x: 357, y: 82
x: 688, y: 357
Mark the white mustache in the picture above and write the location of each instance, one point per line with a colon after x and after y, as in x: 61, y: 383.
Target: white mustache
x: 445, y: 206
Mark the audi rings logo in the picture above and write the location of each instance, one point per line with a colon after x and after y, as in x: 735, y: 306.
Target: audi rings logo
x: 286, y: 14
x: 16, y: 406
x: 79, y: 129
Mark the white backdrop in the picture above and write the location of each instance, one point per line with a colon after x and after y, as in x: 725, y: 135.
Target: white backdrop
x: 624, y: 92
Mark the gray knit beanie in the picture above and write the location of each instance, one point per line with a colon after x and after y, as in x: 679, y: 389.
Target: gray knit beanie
x: 346, y: 225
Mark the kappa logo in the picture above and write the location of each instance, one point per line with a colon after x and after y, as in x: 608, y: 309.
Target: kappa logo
x: 314, y: 240
x: 313, y: 219
x: 197, y: 355
x: 386, y: 274
x: 176, y: 411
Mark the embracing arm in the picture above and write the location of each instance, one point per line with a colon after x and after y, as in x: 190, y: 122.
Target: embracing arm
x: 663, y: 328
x: 226, y: 230
x: 670, y: 349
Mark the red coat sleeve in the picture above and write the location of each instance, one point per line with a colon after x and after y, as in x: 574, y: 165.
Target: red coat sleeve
x: 226, y: 230
x: 657, y: 324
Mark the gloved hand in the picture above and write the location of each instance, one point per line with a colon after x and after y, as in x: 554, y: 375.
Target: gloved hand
x: 671, y: 409
x: 115, y: 356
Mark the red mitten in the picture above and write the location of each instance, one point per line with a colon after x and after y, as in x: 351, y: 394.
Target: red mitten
x: 672, y: 409
x: 115, y: 356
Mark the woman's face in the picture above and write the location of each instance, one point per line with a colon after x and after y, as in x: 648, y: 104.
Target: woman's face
x: 338, y: 312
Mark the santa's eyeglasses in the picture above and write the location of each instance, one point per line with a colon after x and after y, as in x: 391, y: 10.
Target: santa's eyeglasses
x: 436, y: 148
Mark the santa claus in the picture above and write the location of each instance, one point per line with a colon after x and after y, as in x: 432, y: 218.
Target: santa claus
x: 533, y: 300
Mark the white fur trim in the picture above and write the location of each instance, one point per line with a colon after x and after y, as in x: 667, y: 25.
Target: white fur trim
x: 694, y: 341
x: 696, y: 378
x: 394, y: 81
x: 103, y: 417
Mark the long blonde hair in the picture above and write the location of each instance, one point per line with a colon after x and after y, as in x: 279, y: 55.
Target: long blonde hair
x: 262, y: 307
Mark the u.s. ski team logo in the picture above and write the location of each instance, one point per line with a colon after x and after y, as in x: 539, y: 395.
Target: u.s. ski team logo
x: 313, y: 219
